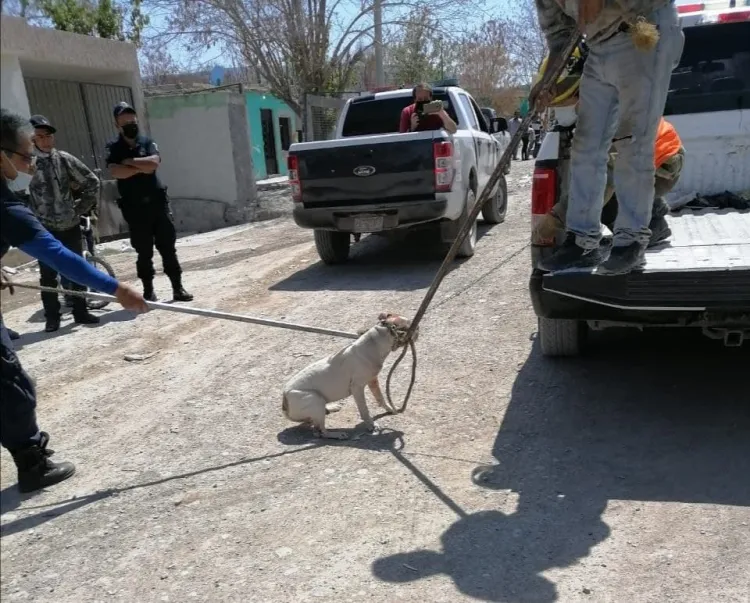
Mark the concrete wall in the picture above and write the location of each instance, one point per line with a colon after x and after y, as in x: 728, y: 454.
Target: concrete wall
x: 12, y: 89
x: 204, y: 143
x: 256, y: 101
x: 49, y: 53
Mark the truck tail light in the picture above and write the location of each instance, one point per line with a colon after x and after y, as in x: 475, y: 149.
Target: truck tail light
x: 295, y: 186
x: 543, y: 197
x: 734, y: 17
x: 444, y: 170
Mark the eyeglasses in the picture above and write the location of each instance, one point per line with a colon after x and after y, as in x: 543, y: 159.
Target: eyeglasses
x: 27, y: 158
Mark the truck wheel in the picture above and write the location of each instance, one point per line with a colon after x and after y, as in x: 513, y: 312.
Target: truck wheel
x: 332, y: 246
x: 469, y: 244
x: 559, y: 337
x: 495, y: 209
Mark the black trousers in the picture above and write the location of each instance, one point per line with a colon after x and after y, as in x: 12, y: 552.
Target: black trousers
x: 151, y: 225
x: 524, y: 147
x: 48, y: 276
x: 18, y: 427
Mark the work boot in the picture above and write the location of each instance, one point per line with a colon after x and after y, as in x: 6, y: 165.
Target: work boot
x: 570, y: 255
x: 148, y: 291
x: 624, y: 259
x: 660, y: 231
x: 36, y: 470
x: 179, y: 293
x: 85, y: 318
x: 52, y: 325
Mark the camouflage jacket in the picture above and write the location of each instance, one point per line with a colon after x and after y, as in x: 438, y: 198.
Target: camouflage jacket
x: 62, y: 190
x: 558, y: 19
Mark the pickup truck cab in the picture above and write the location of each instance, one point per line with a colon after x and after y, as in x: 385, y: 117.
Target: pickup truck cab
x: 700, y: 277
x: 370, y: 178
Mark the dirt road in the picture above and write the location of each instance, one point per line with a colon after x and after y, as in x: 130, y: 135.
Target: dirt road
x: 622, y: 476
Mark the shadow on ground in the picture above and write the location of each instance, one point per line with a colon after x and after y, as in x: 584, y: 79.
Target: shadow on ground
x: 654, y: 417
x: 377, y: 263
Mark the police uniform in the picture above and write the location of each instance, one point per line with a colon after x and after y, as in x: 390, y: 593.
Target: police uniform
x: 145, y: 207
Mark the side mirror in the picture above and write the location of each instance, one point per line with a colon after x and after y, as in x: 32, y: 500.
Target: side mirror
x: 499, y: 124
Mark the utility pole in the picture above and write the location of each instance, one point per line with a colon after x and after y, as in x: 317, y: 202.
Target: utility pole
x: 378, y: 17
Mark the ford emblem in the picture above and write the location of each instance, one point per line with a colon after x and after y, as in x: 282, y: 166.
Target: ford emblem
x: 364, y: 170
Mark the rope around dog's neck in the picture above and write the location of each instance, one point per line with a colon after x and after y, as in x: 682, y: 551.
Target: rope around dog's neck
x: 404, y: 340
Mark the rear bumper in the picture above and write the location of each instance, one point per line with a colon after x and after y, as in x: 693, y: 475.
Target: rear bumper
x: 395, y: 215
x: 644, y: 298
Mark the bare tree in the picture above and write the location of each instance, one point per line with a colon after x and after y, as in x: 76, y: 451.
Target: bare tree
x: 298, y: 47
x: 158, y: 66
x: 525, y: 41
x: 485, y: 67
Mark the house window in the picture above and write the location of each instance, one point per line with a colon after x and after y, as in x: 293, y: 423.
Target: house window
x: 285, y: 130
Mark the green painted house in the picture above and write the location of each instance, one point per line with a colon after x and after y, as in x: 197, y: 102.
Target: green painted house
x: 273, y: 127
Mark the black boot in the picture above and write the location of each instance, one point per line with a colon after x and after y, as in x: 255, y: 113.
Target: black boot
x: 148, y: 291
x: 85, y: 318
x: 570, y: 255
x: 52, y: 324
x: 624, y: 259
x: 179, y: 293
x: 35, y: 470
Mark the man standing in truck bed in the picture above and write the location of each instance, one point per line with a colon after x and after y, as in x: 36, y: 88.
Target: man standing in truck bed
x: 633, y: 47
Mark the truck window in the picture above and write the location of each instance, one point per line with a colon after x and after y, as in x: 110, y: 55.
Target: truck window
x: 466, y: 104
x: 714, y: 71
x: 369, y: 116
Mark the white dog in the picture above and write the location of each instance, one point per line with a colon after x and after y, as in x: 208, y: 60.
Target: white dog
x: 317, y: 389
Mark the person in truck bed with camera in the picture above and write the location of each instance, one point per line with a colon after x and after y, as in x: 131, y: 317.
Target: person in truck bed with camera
x: 424, y: 114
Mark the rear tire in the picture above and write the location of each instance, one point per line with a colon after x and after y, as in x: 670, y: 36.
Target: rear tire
x: 469, y: 244
x: 332, y: 246
x: 494, y: 210
x: 562, y: 337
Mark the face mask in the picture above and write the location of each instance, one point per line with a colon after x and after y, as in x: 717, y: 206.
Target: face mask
x: 130, y: 131
x: 21, y: 183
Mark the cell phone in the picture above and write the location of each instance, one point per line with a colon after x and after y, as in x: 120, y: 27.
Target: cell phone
x: 432, y: 107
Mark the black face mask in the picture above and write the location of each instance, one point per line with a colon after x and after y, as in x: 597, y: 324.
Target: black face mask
x: 130, y: 131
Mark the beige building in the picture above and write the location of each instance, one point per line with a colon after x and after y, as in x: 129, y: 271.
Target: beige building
x: 75, y: 81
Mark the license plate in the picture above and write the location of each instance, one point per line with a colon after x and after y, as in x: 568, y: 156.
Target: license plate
x: 368, y: 223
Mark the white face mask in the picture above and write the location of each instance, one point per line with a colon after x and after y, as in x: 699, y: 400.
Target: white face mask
x: 21, y: 183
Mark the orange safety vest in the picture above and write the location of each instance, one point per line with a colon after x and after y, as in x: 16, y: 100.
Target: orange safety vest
x: 667, y: 143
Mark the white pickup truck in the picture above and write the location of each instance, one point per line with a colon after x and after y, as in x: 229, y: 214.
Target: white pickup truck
x: 370, y: 178
x: 701, y: 277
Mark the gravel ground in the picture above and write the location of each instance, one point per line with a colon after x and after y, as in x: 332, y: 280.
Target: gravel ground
x: 621, y: 476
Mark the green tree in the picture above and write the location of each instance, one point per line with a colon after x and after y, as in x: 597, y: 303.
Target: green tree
x: 101, y: 18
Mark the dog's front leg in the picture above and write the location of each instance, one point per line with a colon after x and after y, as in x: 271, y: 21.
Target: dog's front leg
x: 374, y: 386
x: 359, y: 397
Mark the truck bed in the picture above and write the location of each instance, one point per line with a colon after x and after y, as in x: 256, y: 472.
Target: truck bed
x: 705, y: 265
x: 702, y: 240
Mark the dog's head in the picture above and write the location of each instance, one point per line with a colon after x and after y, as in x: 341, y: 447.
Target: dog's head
x: 398, y: 326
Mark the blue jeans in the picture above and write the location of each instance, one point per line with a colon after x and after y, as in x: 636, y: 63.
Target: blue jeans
x: 623, y: 90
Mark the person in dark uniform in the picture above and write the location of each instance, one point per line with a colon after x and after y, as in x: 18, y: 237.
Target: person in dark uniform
x: 19, y: 432
x: 133, y: 160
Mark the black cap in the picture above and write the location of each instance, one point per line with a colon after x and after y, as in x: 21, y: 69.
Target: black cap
x: 121, y: 108
x: 39, y: 121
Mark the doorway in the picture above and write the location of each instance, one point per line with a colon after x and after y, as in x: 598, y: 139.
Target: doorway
x: 269, y: 142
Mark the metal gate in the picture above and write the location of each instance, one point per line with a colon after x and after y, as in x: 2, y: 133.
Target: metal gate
x: 82, y: 114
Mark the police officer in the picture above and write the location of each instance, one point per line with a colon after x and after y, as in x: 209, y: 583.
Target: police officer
x: 19, y: 432
x: 133, y: 160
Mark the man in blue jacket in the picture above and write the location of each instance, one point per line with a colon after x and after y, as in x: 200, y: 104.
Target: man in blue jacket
x: 19, y: 432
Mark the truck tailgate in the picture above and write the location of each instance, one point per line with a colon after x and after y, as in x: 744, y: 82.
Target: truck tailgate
x: 367, y: 172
